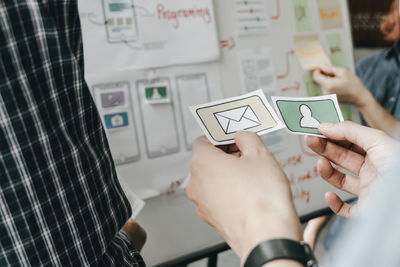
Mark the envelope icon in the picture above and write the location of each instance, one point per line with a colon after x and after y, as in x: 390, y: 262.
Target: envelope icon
x: 237, y: 119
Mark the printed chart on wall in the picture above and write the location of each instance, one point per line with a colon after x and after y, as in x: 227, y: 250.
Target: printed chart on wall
x: 148, y: 123
x: 137, y: 34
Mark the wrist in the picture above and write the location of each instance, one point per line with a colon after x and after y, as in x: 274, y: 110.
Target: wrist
x: 364, y: 98
x: 261, y: 229
x: 274, y: 251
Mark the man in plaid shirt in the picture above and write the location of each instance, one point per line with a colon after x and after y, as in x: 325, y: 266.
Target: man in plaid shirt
x: 60, y: 200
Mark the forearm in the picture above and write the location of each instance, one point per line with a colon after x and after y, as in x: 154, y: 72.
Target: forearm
x: 377, y: 117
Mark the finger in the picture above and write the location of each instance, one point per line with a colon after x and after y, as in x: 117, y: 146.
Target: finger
x: 345, y: 182
x: 229, y: 148
x: 350, y: 146
x: 343, y: 143
x: 341, y: 156
x: 224, y: 148
x: 321, y: 78
x: 339, y: 207
x: 233, y: 149
x: 249, y: 143
x: 328, y: 70
x: 362, y: 136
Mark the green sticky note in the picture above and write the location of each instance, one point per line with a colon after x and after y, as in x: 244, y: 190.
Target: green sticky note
x: 312, y: 88
x: 305, y: 116
x: 156, y: 93
x: 336, y: 51
x: 347, y: 112
x: 302, y: 15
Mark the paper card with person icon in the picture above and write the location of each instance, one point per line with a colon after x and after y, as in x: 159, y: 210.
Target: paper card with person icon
x: 220, y: 120
x: 157, y: 94
x: 303, y: 115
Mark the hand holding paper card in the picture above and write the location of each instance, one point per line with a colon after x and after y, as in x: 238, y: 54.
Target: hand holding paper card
x: 310, y: 52
x: 222, y: 119
x: 302, y: 115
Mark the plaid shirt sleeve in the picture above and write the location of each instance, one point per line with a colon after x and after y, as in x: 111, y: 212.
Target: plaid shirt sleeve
x: 60, y: 200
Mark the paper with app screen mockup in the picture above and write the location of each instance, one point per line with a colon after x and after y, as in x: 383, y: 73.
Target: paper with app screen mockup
x: 220, y: 120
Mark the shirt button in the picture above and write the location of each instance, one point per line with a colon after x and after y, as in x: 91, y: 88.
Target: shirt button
x: 392, y: 99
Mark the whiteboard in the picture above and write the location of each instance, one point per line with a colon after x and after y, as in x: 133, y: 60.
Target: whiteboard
x: 170, y: 219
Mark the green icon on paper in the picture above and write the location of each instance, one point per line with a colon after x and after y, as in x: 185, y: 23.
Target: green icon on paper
x: 336, y: 51
x: 302, y: 16
x: 305, y: 116
x: 157, y: 94
x: 312, y: 88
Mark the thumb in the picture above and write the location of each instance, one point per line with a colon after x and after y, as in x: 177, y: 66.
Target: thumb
x: 321, y: 78
x: 329, y: 70
x: 248, y: 143
x: 337, y: 205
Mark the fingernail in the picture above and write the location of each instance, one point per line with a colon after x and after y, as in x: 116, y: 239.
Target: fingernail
x: 325, y: 126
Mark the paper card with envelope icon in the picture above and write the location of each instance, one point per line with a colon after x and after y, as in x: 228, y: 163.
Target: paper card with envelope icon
x: 220, y: 120
x: 310, y: 53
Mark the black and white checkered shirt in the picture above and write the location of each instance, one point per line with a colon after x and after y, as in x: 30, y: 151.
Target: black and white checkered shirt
x: 60, y: 200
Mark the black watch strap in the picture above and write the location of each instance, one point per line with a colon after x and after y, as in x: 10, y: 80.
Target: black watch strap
x: 276, y: 249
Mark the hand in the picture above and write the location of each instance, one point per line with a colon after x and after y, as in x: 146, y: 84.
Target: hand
x: 245, y: 196
x: 340, y: 81
x: 136, y: 233
x: 365, y: 152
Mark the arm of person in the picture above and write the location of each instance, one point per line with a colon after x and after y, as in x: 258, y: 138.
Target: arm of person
x: 377, y: 116
x: 350, y: 89
x: 135, y: 233
x: 245, y: 195
x: 125, y: 246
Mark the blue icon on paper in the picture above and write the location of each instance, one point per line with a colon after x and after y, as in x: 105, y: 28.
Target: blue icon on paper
x: 116, y: 120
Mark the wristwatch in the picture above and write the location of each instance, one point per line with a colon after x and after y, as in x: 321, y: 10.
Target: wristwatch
x: 276, y: 249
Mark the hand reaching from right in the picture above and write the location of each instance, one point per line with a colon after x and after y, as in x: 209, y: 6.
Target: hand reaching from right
x: 363, y: 151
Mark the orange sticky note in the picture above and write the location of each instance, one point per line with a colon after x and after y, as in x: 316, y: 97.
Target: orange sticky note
x: 310, y: 53
x: 330, y: 14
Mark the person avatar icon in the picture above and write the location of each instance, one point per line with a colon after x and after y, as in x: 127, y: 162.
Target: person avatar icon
x: 308, y: 121
x: 156, y: 94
